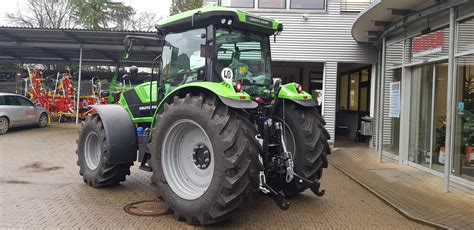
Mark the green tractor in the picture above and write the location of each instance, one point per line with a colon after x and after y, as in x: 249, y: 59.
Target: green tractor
x: 212, y: 125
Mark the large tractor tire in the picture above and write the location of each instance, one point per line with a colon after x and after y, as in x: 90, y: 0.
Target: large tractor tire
x: 91, y: 151
x: 307, y: 140
x: 204, y: 159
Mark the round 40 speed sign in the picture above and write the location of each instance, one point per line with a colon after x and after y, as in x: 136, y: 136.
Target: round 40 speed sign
x: 227, y: 74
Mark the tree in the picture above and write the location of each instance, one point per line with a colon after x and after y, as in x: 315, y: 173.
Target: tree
x: 44, y: 14
x: 102, y: 14
x: 91, y: 14
x: 178, y: 6
x: 142, y: 21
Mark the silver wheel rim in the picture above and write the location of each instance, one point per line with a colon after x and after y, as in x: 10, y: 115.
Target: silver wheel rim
x: 184, y: 177
x: 43, y: 120
x: 3, y: 125
x: 92, y: 151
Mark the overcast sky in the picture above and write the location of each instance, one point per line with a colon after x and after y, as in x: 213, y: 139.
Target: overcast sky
x: 160, y: 7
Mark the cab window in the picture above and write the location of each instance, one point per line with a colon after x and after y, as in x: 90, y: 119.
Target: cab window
x: 182, y: 61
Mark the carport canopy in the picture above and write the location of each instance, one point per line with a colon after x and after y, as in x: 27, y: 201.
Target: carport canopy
x: 74, y: 46
x: 62, y: 46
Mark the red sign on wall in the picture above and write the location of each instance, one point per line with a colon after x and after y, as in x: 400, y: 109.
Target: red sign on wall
x: 427, y: 44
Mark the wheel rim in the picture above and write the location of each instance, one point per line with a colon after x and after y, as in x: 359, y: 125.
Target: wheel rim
x: 92, y: 151
x: 183, y: 158
x: 43, y: 120
x: 3, y: 125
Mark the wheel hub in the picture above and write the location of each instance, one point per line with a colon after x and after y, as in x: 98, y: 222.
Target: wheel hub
x: 201, y: 156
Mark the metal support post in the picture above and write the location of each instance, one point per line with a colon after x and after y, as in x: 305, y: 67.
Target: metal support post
x: 449, y: 110
x: 79, y: 84
x: 381, y: 101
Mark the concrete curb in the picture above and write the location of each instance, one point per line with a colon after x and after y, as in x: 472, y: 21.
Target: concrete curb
x: 403, y: 211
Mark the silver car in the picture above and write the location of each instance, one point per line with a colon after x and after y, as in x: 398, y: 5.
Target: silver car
x: 16, y: 110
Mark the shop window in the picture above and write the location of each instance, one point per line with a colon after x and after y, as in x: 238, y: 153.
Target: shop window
x: 308, y: 4
x: 391, y: 118
x: 354, y: 91
x: 272, y: 4
x: 466, y: 36
x: 428, y: 46
x: 428, y: 115
x: 343, y: 92
x: 238, y: 3
x: 463, y: 164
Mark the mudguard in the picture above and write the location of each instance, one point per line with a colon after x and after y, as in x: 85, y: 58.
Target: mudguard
x: 224, y: 90
x: 289, y: 92
x: 120, y: 133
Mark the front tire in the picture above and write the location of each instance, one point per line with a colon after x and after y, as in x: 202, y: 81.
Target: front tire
x: 197, y: 190
x: 4, y: 125
x: 307, y: 140
x: 43, y: 120
x: 92, y: 158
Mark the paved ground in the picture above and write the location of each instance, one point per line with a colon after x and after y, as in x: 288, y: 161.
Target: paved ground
x: 415, y: 193
x: 40, y: 188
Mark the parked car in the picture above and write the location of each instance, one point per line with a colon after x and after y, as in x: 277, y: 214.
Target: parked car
x: 16, y: 110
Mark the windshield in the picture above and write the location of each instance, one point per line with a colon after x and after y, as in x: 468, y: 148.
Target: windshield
x: 243, y: 56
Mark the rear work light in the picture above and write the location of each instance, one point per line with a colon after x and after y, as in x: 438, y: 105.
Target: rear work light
x: 298, y: 88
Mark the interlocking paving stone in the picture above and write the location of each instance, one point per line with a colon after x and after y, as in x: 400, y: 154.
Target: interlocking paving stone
x: 59, y: 199
x: 415, y: 198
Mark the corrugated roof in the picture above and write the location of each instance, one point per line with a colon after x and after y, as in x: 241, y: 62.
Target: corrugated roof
x: 48, y: 45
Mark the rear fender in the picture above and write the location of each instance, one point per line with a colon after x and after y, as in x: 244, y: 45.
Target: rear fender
x: 223, y: 90
x: 289, y: 92
x: 120, y: 133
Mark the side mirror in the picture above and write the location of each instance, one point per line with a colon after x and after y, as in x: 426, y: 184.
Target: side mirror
x: 133, y: 70
x: 276, y: 85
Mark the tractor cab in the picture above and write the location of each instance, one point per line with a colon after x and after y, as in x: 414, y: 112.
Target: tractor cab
x: 216, y: 44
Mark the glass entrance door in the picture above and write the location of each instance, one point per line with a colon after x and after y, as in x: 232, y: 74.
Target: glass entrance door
x: 428, y: 115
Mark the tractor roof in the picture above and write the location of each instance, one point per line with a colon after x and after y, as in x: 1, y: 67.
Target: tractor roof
x: 213, y: 15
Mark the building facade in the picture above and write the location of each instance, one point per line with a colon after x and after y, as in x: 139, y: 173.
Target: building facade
x: 316, y: 49
x: 425, y: 93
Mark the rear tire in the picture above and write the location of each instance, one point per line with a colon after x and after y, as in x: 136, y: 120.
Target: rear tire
x: 4, y: 125
x: 92, y: 158
x: 234, y: 156
x: 310, y: 140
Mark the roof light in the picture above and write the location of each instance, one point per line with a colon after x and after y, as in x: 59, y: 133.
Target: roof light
x: 237, y: 86
x: 298, y: 88
x: 229, y: 22
x: 223, y: 21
